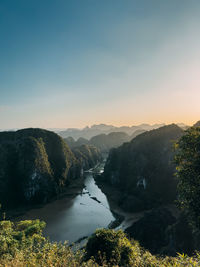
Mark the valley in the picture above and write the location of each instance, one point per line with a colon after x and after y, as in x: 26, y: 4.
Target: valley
x: 82, y: 209
x: 77, y: 189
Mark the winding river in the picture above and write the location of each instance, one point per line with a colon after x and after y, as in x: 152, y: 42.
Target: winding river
x: 75, y: 218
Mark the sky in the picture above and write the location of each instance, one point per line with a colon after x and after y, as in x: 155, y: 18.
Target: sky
x: 72, y: 63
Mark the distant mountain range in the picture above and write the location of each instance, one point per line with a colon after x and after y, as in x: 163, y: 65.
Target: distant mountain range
x: 89, y: 132
x: 96, y: 129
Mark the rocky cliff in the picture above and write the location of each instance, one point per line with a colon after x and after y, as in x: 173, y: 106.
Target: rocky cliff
x: 37, y: 164
x: 88, y: 156
x: 143, y: 169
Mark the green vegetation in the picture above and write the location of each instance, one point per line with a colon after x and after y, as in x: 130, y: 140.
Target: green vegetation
x: 37, y: 164
x: 112, y: 246
x: 104, y: 142
x: 22, y: 244
x: 143, y: 170
x: 73, y: 144
x: 87, y: 156
x: 188, y: 173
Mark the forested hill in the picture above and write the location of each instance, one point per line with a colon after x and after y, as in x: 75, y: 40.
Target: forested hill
x: 104, y: 142
x: 36, y: 164
x: 143, y: 168
x: 87, y: 156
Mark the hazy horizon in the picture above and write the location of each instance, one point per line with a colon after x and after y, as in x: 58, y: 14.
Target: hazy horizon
x: 68, y: 64
x: 98, y: 124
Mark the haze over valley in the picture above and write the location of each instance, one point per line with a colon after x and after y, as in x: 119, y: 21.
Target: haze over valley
x: 99, y: 133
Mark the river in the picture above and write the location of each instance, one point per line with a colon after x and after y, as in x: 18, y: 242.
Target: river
x: 75, y: 218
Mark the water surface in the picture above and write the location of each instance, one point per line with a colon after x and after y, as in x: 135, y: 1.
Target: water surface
x: 74, y: 218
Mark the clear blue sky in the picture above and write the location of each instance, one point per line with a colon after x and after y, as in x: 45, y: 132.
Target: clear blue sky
x: 71, y: 63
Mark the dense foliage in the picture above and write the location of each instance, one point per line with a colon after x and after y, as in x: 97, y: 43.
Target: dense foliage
x: 113, y: 246
x: 22, y: 244
x: 87, y: 156
x: 143, y: 168
x: 73, y: 144
x: 37, y: 164
x: 188, y: 173
x: 104, y: 142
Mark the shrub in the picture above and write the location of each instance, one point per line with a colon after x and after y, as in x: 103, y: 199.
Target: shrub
x: 187, y: 161
x: 110, y: 245
x: 105, y: 248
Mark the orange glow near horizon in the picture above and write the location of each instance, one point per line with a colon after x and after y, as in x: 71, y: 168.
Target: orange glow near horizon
x: 126, y: 64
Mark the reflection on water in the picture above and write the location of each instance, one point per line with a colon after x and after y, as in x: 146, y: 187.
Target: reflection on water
x: 72, y: 219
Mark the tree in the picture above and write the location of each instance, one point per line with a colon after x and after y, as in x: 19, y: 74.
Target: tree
x: 111, y: 246
x: 187, y: 161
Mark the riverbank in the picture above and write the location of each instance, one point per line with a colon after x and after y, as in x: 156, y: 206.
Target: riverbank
x: 113, y: 195
x: 156, y: 228
x: 76, y: 215
x: 73, y: 189
x: 119, y: 217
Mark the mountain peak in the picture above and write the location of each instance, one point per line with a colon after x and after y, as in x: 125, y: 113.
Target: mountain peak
x: 197, y: 124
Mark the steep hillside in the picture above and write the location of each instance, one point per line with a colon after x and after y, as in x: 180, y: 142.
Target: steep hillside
x: 136, y: 133
x: 72, y: 143
x: 35, y: 165
x: 106, y: 142
x: 143, y: 170
x: 87, y: 156
x: 197, y: 124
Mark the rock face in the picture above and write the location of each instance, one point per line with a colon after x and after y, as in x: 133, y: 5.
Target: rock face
x: 37, y: 164
x: 143, y: 168
x: 87, y: 156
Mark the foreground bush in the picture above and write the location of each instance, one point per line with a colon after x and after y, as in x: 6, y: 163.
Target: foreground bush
x: 187, y: 161
x: 112, y: 246
x: 22, y: 244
